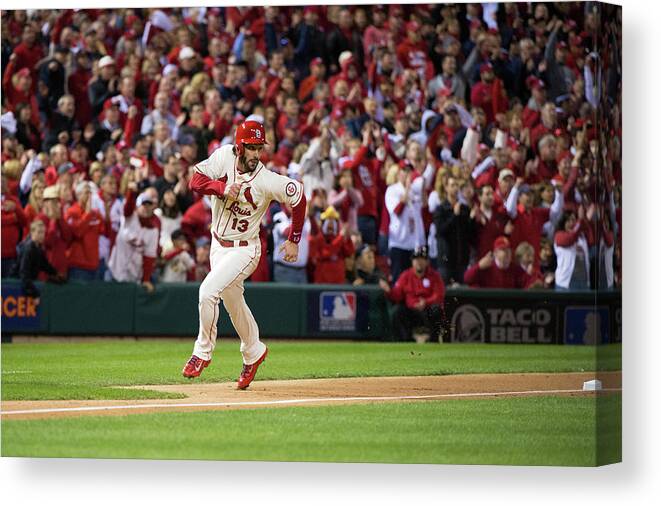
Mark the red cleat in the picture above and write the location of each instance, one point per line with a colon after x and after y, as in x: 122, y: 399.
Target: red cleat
x: 194, y: 367
x: 249, y: 371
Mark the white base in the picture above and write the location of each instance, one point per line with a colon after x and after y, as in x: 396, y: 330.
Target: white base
x: 592, y: 385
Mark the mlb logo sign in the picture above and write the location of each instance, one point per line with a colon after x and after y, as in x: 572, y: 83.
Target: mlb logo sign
x: 337, y: 311
x: 587, y: 325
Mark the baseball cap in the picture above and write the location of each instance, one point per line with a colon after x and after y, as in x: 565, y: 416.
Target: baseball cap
x: 131, y: 19
x: 202, y: 241
x: 24, y: 72
x: 486, y: 67
x: 65, y: 167
x: 344, y: 56
x: 405, y: 164
x: 106, y: 61
x: 143, y: 198
x: 420, y: 252
x: 186, y: 140
x: 443, y: 92
x: 169, y: 69
x: 535, y: 83
x: 111, y: 102
x: 501, y: 242
x: 316, y: 61
x: 51, y: 192
x: 81, y: 187
x: 186, y: 52
x: 524, y: 188
x: 412, y: 26
x: 505, y: 173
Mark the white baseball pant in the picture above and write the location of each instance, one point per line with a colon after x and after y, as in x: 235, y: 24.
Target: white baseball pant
x: 229, y: 268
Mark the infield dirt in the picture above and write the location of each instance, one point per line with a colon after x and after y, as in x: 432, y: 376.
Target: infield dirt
x: 270, y: 394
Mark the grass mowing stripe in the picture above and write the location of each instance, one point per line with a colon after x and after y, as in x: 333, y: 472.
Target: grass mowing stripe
x: 312, y: 400
x: 520, y: 431
x: 84, y: 370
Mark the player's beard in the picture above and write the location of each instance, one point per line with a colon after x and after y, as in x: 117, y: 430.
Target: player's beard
x: 247, y: 166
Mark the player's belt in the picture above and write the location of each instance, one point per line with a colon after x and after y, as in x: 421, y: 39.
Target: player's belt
x: 229, y: 244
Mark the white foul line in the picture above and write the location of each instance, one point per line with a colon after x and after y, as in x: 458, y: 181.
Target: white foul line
x: 292, y: 401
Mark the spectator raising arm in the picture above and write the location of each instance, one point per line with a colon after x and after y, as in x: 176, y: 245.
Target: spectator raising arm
x: 513, y: 198
x: 557, y: 206
x: 33, y: 165
x: 469, y: 147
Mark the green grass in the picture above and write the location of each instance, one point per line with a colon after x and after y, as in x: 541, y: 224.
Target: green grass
x: 519, y: 431
x: 37, y: 371
x: 524, y: 431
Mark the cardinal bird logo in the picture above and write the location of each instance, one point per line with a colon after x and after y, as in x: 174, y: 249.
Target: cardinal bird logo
x: 249, y: 198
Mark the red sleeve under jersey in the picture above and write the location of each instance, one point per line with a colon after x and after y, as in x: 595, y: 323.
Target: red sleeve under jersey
x: 206, y: 186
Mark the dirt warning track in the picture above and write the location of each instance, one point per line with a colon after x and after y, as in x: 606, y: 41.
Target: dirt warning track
x: 315, y: 392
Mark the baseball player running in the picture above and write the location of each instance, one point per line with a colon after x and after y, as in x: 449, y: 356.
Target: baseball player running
x: 241, y: 189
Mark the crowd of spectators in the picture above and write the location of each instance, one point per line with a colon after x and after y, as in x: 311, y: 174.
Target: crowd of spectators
x: 488, y: 133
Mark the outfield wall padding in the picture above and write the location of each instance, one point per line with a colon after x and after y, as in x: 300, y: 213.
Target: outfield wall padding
x: 312, y: 311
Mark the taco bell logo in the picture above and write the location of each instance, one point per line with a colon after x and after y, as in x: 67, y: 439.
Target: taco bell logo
x: 468, y: 325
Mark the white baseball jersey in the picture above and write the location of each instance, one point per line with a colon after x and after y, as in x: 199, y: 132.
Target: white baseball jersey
x: 406, y: 230
x: 176, y: 269
x: 132, y: 242
x: 239, y: 219
x: 116, y: 211
x: 282, y: 221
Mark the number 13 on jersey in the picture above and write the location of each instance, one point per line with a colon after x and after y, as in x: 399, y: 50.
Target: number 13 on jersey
x: 240, y: 225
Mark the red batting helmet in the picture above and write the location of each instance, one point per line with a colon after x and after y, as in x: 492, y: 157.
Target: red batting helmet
x: 249, y: 132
